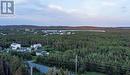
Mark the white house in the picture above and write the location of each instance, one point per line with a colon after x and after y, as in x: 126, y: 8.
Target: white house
x: 15, y: 46
x: 42, y: 53
x: 50, y: 32
x: 68, y: 33
x: 39, y: 53
x: 24, y: 49
x: 36, y: 46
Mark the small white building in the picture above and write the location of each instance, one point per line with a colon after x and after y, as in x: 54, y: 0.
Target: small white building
x: 3, y: 34
x: 36, y: 46
x: 39, y: 53
x: 24, y: 49
x: 68, y: 33
x: 42, y: 53
x: 15, y: 46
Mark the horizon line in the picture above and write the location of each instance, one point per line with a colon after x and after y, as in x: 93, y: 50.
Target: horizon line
x: 62, y: 25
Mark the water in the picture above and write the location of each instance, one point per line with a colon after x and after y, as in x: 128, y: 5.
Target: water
x: 41, y: 68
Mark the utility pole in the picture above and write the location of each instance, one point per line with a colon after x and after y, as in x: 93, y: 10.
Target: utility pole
x: 76, y: 63
x: 31, y: 72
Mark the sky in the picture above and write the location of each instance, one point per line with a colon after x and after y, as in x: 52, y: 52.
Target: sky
x: 103, y: 13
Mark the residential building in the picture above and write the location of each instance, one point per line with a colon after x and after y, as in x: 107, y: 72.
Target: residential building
x: 36, y: 46
x: 15, y: 46
x: 42, y: 53
x: 24, y: 49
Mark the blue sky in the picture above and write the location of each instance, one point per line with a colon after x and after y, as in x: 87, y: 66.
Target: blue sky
x: 108, y: 13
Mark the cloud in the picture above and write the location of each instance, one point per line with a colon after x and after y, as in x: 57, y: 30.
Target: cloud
x: 18, y: 2
x: 66, y: 12
x: 56, y: 7
x: 106, y: 3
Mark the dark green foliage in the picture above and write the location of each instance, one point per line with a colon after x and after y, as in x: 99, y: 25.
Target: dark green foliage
x: 102, y: 52
x: 107, y: 52
x: 11, y: 65
x: 54, y: 71
x: 25, y: 56
x: 4, y: 68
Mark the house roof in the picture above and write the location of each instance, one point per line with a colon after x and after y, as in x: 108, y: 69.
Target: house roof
x: 15, y: 44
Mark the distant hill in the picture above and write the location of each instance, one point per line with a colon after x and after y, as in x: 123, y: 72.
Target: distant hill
x: 52, y: 27
x: 62, y: 27
x: 123, y: 27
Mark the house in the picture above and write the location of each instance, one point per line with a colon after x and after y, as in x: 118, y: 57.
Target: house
x: 27, y: 30
x: 3, y: 34
x: 38, y: 53
x: 51, y: 32
x: 15, y: 46
x: 42, y: 53
x: 36, y: 46
x: 68, y: 33
x: 24, y: 49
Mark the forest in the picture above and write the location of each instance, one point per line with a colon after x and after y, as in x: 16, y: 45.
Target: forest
x: 107, y: 52
x: 12, y: 65
x: 101, y: 52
